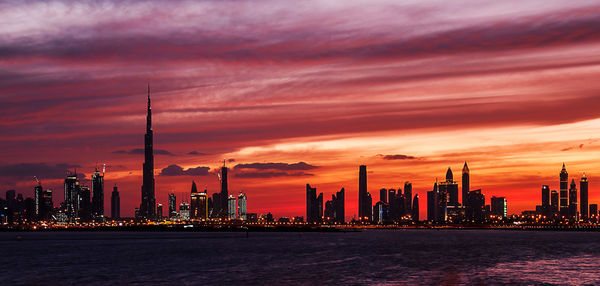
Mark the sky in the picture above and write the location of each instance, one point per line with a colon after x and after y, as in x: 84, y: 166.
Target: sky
x: 295, y: 93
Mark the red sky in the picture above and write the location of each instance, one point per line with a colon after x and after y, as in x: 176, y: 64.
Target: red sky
x: 511, y: 87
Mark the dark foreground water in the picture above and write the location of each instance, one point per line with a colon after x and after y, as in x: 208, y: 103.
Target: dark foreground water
x: 371, y: 257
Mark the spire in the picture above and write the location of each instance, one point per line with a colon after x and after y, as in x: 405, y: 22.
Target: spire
x: 465, y: 169
x: 564, y: 168
x: 449, y: 176
x: 149, y: 113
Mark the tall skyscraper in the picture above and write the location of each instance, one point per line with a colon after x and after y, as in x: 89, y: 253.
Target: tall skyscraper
x: 432, y: 197
x: 564, y: 192
x: 466, y: 181
x: 554, y: 208
x: 38, y: 193
x: 148, y: 205
x: 498, y: 206
x: 115, y: 204
x: 172, y: 205
x: 203, y: 205
x: 231, y: 207
x: 340, y: 206
x: 47, y: 205
x: 184, y: 211
x: 195, y: 202
x: 224, y: 192
x: 573, y: 200
x: 97, y: 195
x: 84, y: 204
x: 415, y: 208
x: 449, y: 188
x: 583, y: 194
x: 314, y: 205
x: 159, y: 212
x: 593, y: 212
x: 383, y: 195
x: 363, y: 208
x: 71, y: 193
x: 408, y: 197
x: 242, y: 208
x: 546, y: 200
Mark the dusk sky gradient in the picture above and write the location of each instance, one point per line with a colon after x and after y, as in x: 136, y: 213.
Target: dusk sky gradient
x: 301, y: 92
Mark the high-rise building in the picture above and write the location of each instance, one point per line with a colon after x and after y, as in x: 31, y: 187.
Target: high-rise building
x: 573, y: 200
x: 593, y: 212
x: 466, y: 181
x: 47, y: 205
x: 476, y: 206
x: 314, y: 205
x: 381, y: 212
x: 498, y: 206
x: 115, y: 204
x: 231, y: 207
x: 242, y: 208
x: 449, y: 188
x: 415, y: 208
x: 159, y: 212
x: 364, y: 209
x: 71, y: 193
x: 583, y: 193
x: 215, y: 211
x: 408, y: 197
x: 432, y: 197
x: 224, y: 192
x: 148, y: 206
x: 97, y: 195
x: 203, y: 205
x: 195, y: 202
x: 184, y: 211
x: 334, y: 209
x: 564, y: 192
x: 383, y: 195
x: 172, y: 205
x: 554, y: 208
x: 546, y: 200
x: 38, y: 193
x: 84, y: 204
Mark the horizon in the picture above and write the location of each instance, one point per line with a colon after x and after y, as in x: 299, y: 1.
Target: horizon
x: 510, y: 91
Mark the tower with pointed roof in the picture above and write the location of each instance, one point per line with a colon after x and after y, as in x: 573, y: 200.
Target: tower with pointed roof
x: 148, y: 205
x: 564, y: 191
x: 583, y: 198
x: 466, y: 181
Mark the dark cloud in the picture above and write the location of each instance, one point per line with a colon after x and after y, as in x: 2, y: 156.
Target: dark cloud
x: 276, y: 166
x: 397, y: 157
x: 176, y: 170
x: 270, y: 174
x: 196, y: 153
x: 40, y: 170
x: 140, y: 151
x: 580, y: 146
x: 230, y: 160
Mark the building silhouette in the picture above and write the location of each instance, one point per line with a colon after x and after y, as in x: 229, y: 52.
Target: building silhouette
x: 593, y: 212
x: 172, y: 205
x: 231, y: 207
x: 573, y: 200
x: 583, y: 194
x: 564, y: 192
x: 364, y: 203
x: 314, y: 205
x: 498, y: 206
x: 415, y: 208
x: 335, y: 208
x: 115, y: 204
x: 159, y: 211
x: 546, y: 200
x: 242, y: 206
x: 554, y: 199
x: 408, y: 197
x: 148, y: 206
x: 466, y: 181
x: 224, y: 195
x: 383, y: 194
x: 84, y: 204
x: 476, y: 206
x: 71, y: 193
x: 97, y: 194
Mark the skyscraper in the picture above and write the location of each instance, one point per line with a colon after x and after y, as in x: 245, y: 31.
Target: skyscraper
x: 415, y: 208
x: 84, y: 204
x: 203, y: 204
x: 340, y: 206
x: 159, y: 212
x: 314, y: 205
x: 554, y: 202
x: 97, y: 195
x: 231, y: 207
x: 71, y: 193
x: 38, y: 193
x: 545, y: 200
x: 224, y: 192
x: 408, y: 196
x: 148, y: 205
x: 194, y: 202
x: 184, y: 211
x: 583, y: 189
x: 498, y: 206
x: 573, y: 200
x: 242, y: 208
x: 363, y: 208
x: 449, y: 188
x: 564, y: 192
x: 172, y: 205
x: 115, y: 204
x: 466, y: 181
x: 383, y: 195
x: 593, y: 212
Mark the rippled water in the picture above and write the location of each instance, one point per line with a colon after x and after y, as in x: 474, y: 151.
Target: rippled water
x: 369, y: 257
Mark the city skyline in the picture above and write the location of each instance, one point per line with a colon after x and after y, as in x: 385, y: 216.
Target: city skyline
x: 284, y: 112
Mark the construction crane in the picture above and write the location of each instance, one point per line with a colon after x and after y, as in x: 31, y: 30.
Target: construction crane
x: 37, y: 180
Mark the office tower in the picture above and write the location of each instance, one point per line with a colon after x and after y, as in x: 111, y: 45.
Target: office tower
x: 231, y: 207
x: 415, y: 208
x: 11, y: 204
x: 329, y: 212
x: 38, y: 193
x: 215, y: 211
x: 408, y: 197
x: 242, y: 208
x: 320, y: 208
x: 28, y: 212
x: 583, y: 189
x: 97, y: 194
x: 476, y: 206
x: 432, y: 203
x: 593, y: 212
x: 203, y: 205
x: 194, y: 202
x: 314, y: 205
x: 71, y: 192
x: 546, y: 200
x: 368, y: 209
x: 115, y: 204
x: 449, y: 189
x: 172, y: 205
x: 564, y: 192
x: 380, y: 212
x: 184, y: 211
x: 466, y: 181
x: 47, y: 205
x: 224, y: 191
x: 340, y: 206
x: 498, y: 206
x: 392, y: 195
x: 20, y: 208
x: 148, y: 205
x: 84, y: 204
x: 363, y: 208
x: 383, y: 195
x: 159, y: 212
x: 573, y: 200
x: 554, y: 208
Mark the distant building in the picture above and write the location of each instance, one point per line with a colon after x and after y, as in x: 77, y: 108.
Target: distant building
x: 564, y: 192
x: 231, y: 207
x: 593, y: 212
x: 407, y: 197
x: 115, y: 204
x: 184, y: 211
x: 432, y: 204
x: 242, y: 206
x: 97, y: 195
x: 554, y: 206
x: 383, y: 195
x: 84, y: 204
x: 195, y: 206
x: 466, y: 179
x: 573, y: 200
x: 314, y: 205
x: 498, y: 206
x: 476, y: 206
x: 172, y: 205
x: 583, y: 193
x: 364, y: 207
x: 450, y: 189
x: 159, y: 212
x: 381, y: 212
x: 224, y: 193
x: 546, y: 200
x: 71, y: 193
x: 335, y: 209
x: 415, y: 208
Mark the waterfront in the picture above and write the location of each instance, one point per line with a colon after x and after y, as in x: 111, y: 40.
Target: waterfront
x: 367, y: 257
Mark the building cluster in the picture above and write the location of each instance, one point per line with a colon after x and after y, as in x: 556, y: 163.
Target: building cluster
x: 563, y: 205
x: 333, y: 212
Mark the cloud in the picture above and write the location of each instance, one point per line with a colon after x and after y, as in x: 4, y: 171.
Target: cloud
x: 40, y: 170
x: 397, y: 157
x: 140, y: 151
x: 277, y: 166
x: 230, y: 160
x: 176, y: 170
x: 270, y: 174
x: 196, y: 153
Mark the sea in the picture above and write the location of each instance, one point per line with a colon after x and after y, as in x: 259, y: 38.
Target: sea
x: 370, y: 257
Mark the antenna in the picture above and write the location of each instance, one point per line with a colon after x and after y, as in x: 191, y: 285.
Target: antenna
x: 103, y: 169
x: 39, y: 183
